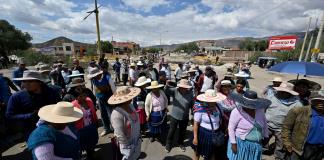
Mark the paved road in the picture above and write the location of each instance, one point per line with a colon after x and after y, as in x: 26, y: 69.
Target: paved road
x: 155, y: 151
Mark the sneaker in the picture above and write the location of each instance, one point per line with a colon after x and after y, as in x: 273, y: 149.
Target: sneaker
x: 183, y: 148
x: 103, y: 133
x: 168, y: 148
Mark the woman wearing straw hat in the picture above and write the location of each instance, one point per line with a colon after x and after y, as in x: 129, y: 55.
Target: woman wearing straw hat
x: 182, y: 102
x: 208, y: 134
x: 228, y: 104
x: 74, y: 87
x: 53, y: 139
x: 156, y: 106
x: 125, y: 122
x: 247, y: 127
x: 139, y: 100
x: 88, y: 125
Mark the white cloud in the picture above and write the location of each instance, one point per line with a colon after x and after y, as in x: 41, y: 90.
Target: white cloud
x: 145, y: 5
x: 48, y: 19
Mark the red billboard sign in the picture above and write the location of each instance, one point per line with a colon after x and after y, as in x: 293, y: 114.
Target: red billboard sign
x: 282, y: 42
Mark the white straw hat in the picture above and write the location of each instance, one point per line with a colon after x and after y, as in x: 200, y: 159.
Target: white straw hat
x: 286, y: 87
x: 139, y: 63
x: 277, y: 79
x: 184, y: 83
x: 210, y: 95
x: 62, y: 112
x: 76, y: 82
x: 94, y: 72
x: 155, y: 85
x: 241, y: 74
x: 31, y: 75
x: 124, y: 94
x: 142, y: 81
x: 75, y: 73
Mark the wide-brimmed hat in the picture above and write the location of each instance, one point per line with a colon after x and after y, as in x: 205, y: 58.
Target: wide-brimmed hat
x: 132, y: 65
x: 124, y: 94
x: 286, y: 87
x: 184, y: 76
x: 142, y: 81
x: 31, y: 75
x: 44, y: 68
x: 241, y: 74
x: 211, y: 95
x: 226, y: 83
x: 93, y: 72
x: 191, y: 70
x: 62, y: 112
x: 76, y: 82
x: 250, y: 100
x: 229, y: 74
x: 184, y: 83
x: 277, y: 79
x: 75, y: 73
x: 38, y: 65
x: 317, y: 95
x: 310, y: 84
x: 155, y: 85
x: 139, y: 63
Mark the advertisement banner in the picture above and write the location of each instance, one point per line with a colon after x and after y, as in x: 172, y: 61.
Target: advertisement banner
x: 282, y: 42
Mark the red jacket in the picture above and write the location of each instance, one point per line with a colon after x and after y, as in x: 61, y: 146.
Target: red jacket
x: 80, y: 124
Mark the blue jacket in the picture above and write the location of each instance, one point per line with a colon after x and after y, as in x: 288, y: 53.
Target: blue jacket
x: 22, y: 104
x: 18, y: 73
x: 64, y: 145
x: 4, y: 90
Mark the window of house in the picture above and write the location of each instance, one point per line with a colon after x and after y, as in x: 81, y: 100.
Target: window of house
x: 68, y: 48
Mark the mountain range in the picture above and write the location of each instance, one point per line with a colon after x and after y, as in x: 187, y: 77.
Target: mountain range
x: 226, y: 42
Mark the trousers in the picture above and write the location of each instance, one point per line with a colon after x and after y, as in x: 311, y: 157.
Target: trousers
x: 174, y: 123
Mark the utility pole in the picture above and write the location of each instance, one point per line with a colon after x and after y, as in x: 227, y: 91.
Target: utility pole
x: 305, y: 38
x: 96, y: 11
x: 310, y: 42
x: 318, y: 38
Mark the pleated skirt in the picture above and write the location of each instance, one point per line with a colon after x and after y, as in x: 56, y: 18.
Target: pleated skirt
x: 246, y: 150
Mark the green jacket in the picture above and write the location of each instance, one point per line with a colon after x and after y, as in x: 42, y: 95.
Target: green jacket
x: 296, y: 128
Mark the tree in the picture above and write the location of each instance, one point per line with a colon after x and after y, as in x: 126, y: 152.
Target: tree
x: 250, y: 45
x: 188, y: 47
x: 12, y: 39
x: 106, y: 47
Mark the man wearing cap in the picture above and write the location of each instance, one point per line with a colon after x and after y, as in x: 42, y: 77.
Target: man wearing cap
x: 275, y: 83
x: 166, y: 68
x: 23, y: 105
x: 18, y: 73
x: 65, y: 73
x: 282, y: 101
x: 302, y: 131
x: 76, y: 66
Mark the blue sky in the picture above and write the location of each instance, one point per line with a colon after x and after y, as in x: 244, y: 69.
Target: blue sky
x: 146, y: 21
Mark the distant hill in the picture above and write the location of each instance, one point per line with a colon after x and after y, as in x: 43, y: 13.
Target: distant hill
x: 227, y: 42
x: 58, y: 42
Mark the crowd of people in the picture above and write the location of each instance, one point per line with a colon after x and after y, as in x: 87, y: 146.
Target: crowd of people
x: 56, y: 112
